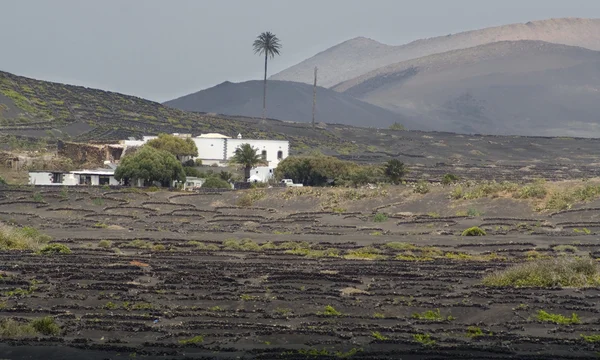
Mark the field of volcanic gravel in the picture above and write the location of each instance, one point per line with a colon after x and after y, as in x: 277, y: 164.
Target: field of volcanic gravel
x: 299, y: 273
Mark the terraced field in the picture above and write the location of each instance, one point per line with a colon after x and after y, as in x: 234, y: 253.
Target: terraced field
x: 301, y: 274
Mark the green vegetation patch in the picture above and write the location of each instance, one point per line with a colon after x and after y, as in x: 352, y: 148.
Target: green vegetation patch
x: 432, y: 315
x: 556, y: 272
x: 474, y: 231
x: 543, y: 316
x: 330, y: 311
x: 192, y: 341
x: 54, y: 249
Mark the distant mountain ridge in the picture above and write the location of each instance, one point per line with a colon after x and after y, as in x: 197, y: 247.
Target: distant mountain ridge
x: 288, y: 101
x: 510, y: 87
x: 358, y: 56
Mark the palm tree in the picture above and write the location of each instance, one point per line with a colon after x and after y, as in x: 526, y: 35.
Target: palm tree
x: 248, y: 157
x: 268, y: 44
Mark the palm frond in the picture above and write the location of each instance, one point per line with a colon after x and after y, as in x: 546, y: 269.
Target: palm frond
x: 267, y: 43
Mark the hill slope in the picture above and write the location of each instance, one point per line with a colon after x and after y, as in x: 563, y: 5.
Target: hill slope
x: 518, y: 88
x: 358, y: 56
x: 286, y: 101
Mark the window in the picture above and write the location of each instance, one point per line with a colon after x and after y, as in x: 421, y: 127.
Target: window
x: 104, y: 180
x: 57, y: 178
x: 85, y: 180
x: 264, y: 154
x: 279, y: 155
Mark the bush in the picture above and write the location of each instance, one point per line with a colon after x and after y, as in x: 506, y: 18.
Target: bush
x: 26, y: 238
x: 379, y: 217
x: 52, y: 249
x: 216, y: 183
x: 474, y: 231
x: 46, y: 326
x: 192, y: 172
x: 189, y: 163
x: 548, y: 273
x: 315, y: 170
x: 394, y: 170
x: 449, y: 179
x: 536, y: 190
x: 198, y: 162
x: 422, y: 187
x: 330, y: 311
x: 2, y: 181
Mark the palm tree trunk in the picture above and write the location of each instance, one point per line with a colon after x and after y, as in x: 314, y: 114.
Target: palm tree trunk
x: 247, y: 172
x: 265, y: 91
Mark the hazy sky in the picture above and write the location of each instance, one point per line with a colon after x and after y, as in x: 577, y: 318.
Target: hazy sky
x: 162, y: 49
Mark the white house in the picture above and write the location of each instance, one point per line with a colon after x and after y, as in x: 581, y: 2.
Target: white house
x: 81, y: 177
x: 214, y: 148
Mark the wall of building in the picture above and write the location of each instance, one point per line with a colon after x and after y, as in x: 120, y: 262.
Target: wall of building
x: 210, y: 148
x: 40, y: 178
x: 272, y: 147
x: 261, y: 173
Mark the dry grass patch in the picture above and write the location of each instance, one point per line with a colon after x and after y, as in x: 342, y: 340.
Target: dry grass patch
x: 568, y: 272
x: 26, y: 238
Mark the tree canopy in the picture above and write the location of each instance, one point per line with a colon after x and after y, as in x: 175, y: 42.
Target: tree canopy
x: 248, y: 157
x: 150, y: 164
x: 267, y: 44
x: 314, y: 170
x: 174, y: 145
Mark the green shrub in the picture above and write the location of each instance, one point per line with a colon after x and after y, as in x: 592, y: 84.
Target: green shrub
x: 536, y: 190
x: 46, y: 326
x: 474, y: 231
x: 556, y: 272
x: 557, y: 318
x: 330, y: 311
x: 216, y: 183
x: 158, y: 247
x: 52, y: 249
x: 192, y: 172
x: 380, y: 217
x: 474, y: 331
x: 37, y: 197
x: 2, y: 181
x: 424, y: 339
x: 449, y: 179
x: 422, y: 187
x: 105, y: 244
x: 432, y: 315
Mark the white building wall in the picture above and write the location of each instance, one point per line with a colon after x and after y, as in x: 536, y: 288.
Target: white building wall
x: 71, y: 179
x: 40, y: 178
x: 210, y: 148
x: 261, y: 173
x: 272, y: 147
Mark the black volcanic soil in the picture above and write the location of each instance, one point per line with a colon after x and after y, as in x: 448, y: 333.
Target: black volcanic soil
x: 265, y: 303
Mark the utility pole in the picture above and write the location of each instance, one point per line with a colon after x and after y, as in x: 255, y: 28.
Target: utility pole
x: 314, y: 99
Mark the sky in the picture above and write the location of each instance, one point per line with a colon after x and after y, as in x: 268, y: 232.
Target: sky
x: 160, y: 50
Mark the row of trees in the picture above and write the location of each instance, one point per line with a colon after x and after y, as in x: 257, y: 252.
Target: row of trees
x: 320, y: 170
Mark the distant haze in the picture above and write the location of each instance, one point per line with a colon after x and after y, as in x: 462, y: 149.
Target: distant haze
x: 161, y: 50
